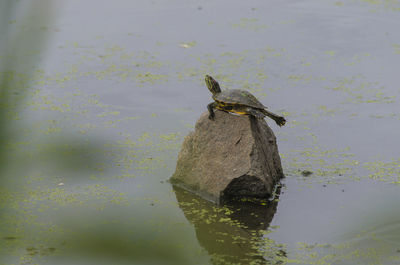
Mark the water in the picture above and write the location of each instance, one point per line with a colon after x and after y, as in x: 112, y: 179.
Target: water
x: 98, y: 122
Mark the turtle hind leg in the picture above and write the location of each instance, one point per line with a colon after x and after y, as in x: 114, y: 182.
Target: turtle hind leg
x: 256, y: 113
x: 210, y: 108
x: 278, y: 119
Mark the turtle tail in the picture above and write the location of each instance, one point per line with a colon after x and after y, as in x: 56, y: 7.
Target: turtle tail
x: 278, y: 119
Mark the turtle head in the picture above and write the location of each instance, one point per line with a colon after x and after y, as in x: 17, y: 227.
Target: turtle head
x: 212, y: 85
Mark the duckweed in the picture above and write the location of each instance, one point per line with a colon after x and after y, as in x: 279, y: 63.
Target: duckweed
x: 116, y: 143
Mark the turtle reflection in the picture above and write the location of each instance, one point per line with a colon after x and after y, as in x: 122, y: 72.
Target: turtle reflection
x: 234, y: 233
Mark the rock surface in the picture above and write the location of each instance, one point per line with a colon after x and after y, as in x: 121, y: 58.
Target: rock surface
x: 230, y: 156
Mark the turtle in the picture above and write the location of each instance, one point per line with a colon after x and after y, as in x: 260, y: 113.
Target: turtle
x: 237, y: 101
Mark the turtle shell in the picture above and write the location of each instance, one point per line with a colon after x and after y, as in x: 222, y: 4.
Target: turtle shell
x: 238, y: 97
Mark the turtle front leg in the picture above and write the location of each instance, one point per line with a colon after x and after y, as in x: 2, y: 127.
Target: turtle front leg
x: 210, y: 108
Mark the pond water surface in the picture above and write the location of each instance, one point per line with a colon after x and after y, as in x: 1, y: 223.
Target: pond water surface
x: 100, y: 94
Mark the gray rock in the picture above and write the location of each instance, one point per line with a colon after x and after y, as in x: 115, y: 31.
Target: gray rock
x: 230, y: 156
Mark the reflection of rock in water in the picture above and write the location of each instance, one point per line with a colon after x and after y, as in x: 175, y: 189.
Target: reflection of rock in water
x: 232, y: 234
